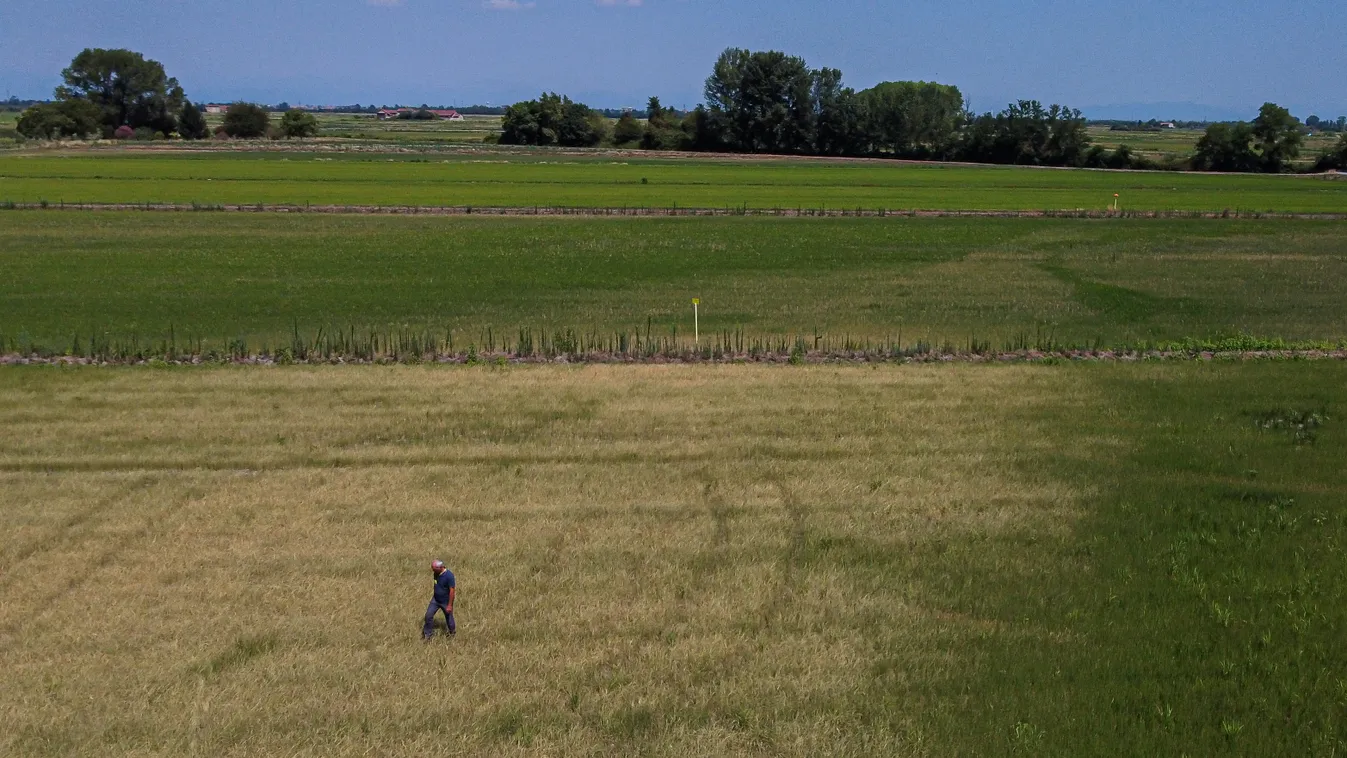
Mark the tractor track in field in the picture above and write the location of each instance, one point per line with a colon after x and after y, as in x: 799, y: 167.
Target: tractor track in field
x: 654, y: 212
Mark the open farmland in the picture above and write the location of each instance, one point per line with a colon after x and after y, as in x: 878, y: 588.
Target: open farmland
x: 8, y: 133
x: 655, y: 560
x: 1183, y: 143
x: 259, y: 277
x: 663, y: 560
x: 368, y: 127
x: 542, y: 179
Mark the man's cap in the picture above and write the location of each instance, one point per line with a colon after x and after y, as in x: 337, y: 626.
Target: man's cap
x: 437, y: 564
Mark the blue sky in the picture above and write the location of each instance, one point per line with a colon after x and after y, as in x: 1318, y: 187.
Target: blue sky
x: 1224, y: 55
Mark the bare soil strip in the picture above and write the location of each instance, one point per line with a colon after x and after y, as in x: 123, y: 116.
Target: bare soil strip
x: 692, y: 356
x: 552, y: 211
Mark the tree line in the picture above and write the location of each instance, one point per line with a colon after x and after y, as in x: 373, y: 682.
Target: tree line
x: 771, y: 102
x: 120, y: 94
x: 755, y: 102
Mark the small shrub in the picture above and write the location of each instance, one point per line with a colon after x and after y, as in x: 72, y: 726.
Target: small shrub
x: 247, y: 121
x: 628, y: 130
x: 299, y: 124
x: 124, y: 132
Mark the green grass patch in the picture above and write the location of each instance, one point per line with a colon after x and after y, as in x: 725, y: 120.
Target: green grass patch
x: 1197, y: 609
x: 1122, y: 305
x: 259, y: 278
x: 557, y: 179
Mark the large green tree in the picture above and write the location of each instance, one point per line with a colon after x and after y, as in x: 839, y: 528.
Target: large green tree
x: 913, y: 119
x: 1226, y: 147
x: 628, y: 130
x: 1027, y: 133
x: 129, y: 89
x: 553, y: 120
x: 1277, y: 136
x: 762, y: 101
x: 246, y: 121
x: 707, y: 130
x: 191, y: 122
x: 663, y: 129
x: 62, y: 119
x: 838, y: 116
x: 299, y: 124
x: 655, y: 111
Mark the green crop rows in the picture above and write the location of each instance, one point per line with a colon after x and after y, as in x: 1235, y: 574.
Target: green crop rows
x: 495, y: 179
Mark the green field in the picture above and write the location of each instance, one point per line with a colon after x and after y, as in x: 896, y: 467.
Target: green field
x: 8, y: 134
x: 367, y: 127
x: 218, y: 276
x: 559, y: 179
x: 954, y: 560
x: 1075, y: 559
x: 362, y: 127
x: 1183, y: 142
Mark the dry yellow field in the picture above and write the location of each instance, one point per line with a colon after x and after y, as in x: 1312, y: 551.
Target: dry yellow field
x: 651, y: 560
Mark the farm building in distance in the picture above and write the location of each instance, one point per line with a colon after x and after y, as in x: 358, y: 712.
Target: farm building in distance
x: 216, y: 108
x: 445, y: 115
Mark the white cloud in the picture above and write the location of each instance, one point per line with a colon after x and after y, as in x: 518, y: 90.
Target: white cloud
x: 506, y: 5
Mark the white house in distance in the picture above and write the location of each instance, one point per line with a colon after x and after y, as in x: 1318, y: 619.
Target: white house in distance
x: 216, y: 108
x: 443, y: 115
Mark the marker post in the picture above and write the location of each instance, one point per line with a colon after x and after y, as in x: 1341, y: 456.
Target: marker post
x: 696, y: 323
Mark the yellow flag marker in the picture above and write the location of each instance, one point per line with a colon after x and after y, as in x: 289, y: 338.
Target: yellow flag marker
x: 696, y: 325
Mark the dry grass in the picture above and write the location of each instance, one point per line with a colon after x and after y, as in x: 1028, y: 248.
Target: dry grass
x: 652, y: 560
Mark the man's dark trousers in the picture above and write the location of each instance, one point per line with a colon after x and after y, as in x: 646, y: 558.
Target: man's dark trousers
x: 428, y: 630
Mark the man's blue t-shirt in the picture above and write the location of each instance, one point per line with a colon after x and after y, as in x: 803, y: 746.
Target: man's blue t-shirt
x: 442, y: 584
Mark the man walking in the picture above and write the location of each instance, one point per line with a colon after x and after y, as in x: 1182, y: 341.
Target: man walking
x: 443, y: 600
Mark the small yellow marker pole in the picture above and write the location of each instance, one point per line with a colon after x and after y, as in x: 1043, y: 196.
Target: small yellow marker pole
x: 696, y: 323
x: 1115, y: 201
